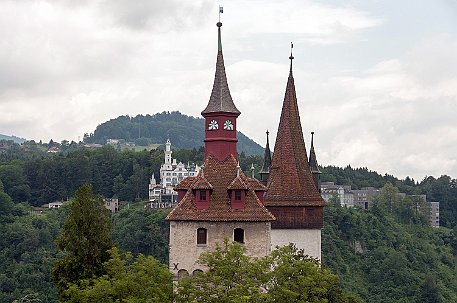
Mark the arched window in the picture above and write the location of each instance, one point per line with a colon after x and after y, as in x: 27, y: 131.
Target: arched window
x: 238, y: 235
x: 182, y: 273
x: 201, y: 236
x: 197, y: 272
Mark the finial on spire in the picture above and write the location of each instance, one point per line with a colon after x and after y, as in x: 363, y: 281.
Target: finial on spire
x: 312, y: 137
x: 291, y: 56
x: 252, y: 170
x: 238, y: 169
x: 202, y: 169
x: 219, y: 24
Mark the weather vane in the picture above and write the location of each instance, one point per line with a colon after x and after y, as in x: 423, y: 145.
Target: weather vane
x: 221, y: 11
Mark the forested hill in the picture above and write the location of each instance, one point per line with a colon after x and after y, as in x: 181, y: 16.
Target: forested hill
x: 184, y: 132
x: 12, y: 138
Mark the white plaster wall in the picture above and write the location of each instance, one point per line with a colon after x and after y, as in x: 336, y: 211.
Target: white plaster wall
x: 185, y: 251
x: 307, y: 239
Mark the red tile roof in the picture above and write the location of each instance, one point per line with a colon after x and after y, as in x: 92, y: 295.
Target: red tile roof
x: 290, y: 182
x: 237, y: 183
x: 200, y: 182
x: 220, y: 174
x: 184, y: 184
x: 255, y: 184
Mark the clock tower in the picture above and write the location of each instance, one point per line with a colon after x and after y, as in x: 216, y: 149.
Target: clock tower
x: 221, y: 113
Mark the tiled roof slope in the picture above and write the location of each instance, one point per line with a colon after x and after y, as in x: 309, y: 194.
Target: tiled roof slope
x: 220, y: 100
x: 220, y: 174
x: 254, y: 184
x: 185, y: 183
x: 290, y: 182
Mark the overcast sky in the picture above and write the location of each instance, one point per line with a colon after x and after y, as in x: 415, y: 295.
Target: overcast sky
x: 376, y: 80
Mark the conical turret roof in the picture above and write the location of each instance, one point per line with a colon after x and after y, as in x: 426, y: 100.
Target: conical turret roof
x: 312, y: 157
x: 290, y: 182
x: 266, y: 158
x: 220, y: 100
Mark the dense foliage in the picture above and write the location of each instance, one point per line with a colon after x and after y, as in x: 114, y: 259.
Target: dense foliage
x: 287, y: 275
x: 183, y: 131
x: 387, y: 254
x: 85, y: 240
x: 38, y: 177
x: 385, y: 257
x: 127, y: 279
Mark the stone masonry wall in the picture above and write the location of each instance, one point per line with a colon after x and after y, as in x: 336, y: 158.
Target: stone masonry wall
x: 184, y: 251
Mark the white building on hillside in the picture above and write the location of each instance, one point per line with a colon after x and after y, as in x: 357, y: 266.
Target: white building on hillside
x: 171, y: 173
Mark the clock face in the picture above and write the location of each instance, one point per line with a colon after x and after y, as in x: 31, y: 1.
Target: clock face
x: 228, y: 125
x: 213, y: 125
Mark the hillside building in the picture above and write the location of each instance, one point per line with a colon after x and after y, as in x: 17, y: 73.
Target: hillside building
x: 343, y: 192
x: 162, y: 194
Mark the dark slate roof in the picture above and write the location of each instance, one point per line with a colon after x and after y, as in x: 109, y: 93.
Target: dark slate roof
x: 266, y: 158
x: 220, y: 174
x: 220, y: 100
x: 290, y: 181
x: 312, y: 157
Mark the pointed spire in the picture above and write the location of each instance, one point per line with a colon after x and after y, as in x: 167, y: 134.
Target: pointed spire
x: 265, y: 171
x: 220, y: 100
x: 313, y: 165
x: 312, y: 157
x: 290, y: 182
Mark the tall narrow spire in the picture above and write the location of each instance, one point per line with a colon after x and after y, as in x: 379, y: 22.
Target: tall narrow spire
x: 265, y: 171
x: 220, y: 100
x: 313, y: 165
x: 290, y: 182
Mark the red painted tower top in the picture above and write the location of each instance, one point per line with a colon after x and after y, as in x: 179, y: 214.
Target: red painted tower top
x: 221, y: 113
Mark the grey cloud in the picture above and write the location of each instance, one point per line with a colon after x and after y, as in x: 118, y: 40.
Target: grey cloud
x: 159, y: 16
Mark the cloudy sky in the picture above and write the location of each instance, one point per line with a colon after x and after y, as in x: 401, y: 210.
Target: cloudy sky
x: 376, y: 80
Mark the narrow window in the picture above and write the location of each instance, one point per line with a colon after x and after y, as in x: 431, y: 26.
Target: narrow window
x: 238, y: 235
x: 202, y: 195
x: 197, y: 272
x: 238, y: 195
x: 182, y: 273
x: 201, y: 236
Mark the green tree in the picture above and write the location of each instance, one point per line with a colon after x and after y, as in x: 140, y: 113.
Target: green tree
x: 286, y: 276
x: 231, y: 277
x: 85, y: 239
x: 129, y: 280
x: 298, y: 278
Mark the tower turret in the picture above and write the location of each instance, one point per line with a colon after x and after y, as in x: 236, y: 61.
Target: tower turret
x: 265, y: 171
x: 314, y: 166
x: 292, y: 196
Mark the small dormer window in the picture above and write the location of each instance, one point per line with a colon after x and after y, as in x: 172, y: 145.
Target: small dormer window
x: 238, y: 195
x: 202, y: 194
x: 202, y: 198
